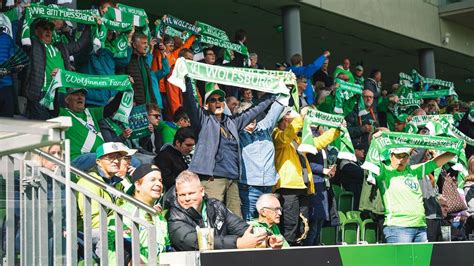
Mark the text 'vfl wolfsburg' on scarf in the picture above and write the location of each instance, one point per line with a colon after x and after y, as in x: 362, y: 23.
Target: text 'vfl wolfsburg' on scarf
x: 70, y: 79
x: 379, y: 149
x: 318, y: 118
x: 226, y: 76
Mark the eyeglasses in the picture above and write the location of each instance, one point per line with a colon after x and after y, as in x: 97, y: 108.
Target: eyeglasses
x: 214, y: 100
x: 401, y: 155
x: 276, y: 210
x: 112, y: 158
x: 155, y: 115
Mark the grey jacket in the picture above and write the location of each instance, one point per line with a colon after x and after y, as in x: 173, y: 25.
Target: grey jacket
x: 207, y: 128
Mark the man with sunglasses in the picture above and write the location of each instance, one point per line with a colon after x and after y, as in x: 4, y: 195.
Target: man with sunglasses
x: 217, y: 157
x: 45, y: 56
x: 402, y: 196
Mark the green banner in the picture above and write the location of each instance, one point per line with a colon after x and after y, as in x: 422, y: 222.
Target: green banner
x: 226, y: 76
x: 239, y: 48
x: 68, y: 79
x: 434, y: 94
x: 318, y: 118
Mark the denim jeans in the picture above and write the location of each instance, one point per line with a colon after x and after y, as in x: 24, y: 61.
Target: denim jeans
x: 396, y: 234
x: 248, y: 197
x: 314, y: 234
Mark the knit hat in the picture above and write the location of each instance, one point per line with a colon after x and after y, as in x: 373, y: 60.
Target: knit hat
x: 140, y: 172
x: 211, y: 89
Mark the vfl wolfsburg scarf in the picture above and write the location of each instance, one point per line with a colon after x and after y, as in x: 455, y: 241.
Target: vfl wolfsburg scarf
x: 434, y: 94
x: 52, y: 12
x: 206, y: 29
x: 224, y: 75
x: 315, y: 117
x: 406, y: 106
x: 179, y: 24
x: 70, y: 79
x: 380, y: 147
x: 441, y: 126
x: 347, y: 95
x: 239, y: 48
x: 288, y: 77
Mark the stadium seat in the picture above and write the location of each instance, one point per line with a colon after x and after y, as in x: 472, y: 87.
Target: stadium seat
x: 368, y: 228
x: 346, y: 201
x: 329, y: 235
x: 349, y: 229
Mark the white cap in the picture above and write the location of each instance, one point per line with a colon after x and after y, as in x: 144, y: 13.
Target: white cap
x: 400, y: 150
x: 122, y: 146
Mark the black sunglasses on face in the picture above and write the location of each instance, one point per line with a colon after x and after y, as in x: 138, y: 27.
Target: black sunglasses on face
x: 214, y: 100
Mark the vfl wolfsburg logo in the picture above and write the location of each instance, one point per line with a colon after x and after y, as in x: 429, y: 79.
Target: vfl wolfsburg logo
x: 412, y: 184
x: 122, y: 45
x: 127, y: 99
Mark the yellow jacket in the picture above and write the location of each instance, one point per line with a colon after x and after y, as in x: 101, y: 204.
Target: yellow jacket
x: 287, y: 161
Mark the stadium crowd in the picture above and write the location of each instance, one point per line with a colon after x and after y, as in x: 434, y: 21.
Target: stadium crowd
x: 293, y: 149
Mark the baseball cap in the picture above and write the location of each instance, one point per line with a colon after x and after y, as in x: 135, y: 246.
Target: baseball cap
x: 288, y: 111
x: 401, y: 118
x: 74, y: 90
x: 110, y: 147
x: 359, y: 67
x: 211, y: 89
x: 140, y: 172
x: 400, y: 150
x: 130, y: 152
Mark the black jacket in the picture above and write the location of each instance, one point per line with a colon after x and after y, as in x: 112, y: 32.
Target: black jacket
x: 171, y: 163
x: 133, y: 69
x: 37, y: 66
x: 182, y: 226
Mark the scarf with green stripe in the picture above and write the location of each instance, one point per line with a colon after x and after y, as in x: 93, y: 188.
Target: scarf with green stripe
x: 35, y: 11
x: 318, y: 118
x: 347, y: 96
x: 68, y: 79
x: 379, y: 150
x: 226, y: 76
x: 405, y: 106
x: 288, y: 77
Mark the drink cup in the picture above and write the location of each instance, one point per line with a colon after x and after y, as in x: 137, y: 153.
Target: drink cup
x: 205, y: 238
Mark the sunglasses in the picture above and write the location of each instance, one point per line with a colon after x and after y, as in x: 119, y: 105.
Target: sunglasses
x: 214, y: 100
x: 276, y: 210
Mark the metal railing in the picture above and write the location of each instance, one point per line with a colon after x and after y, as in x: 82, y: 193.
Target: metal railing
x: 41, y: 211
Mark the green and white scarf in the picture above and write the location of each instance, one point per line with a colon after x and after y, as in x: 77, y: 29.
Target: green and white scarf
x: 288, y: 77
x: 315, y: 117
x: 179, y: 24
x: 471, y: 114
x: 344, y: 97
x: 239, y: 48
x: 406, y: 106
x: 434, y: 94
x: 226, y: 76
x: 70, y: 79
x: 440, y: 125
x: 380, y: 147
x: 206, y: 29
x: 35, y: 11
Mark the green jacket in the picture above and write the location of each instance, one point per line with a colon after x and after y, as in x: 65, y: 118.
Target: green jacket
x: 167, y: 131
x: 94, y: 204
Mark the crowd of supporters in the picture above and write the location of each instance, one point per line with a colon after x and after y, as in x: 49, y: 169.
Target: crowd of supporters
x: 229, y: 157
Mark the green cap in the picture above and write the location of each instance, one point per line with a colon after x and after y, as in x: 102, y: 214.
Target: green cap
x: 401, y: 118
x: 111, y: 147
x: 211, y: 89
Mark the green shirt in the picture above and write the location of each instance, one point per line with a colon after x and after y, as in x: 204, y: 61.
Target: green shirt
x: 54, y: 59
x: 162, y: 237
x: 273, y: 230
x: 81, y: 137
x: 402, y: 196
x: 167, y: 132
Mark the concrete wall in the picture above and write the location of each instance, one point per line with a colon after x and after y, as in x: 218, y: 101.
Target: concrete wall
x: 417, y: 19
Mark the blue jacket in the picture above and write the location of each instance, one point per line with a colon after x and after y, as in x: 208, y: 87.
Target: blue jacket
x: 207, y: 128
x: 103, y: 63
x: 7, y: 50
x: 156, y: 76
x: 258, y: 152
x: 308, y: 72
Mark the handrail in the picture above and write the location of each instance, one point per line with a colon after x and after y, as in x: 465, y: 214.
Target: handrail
x: 108, y: 188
